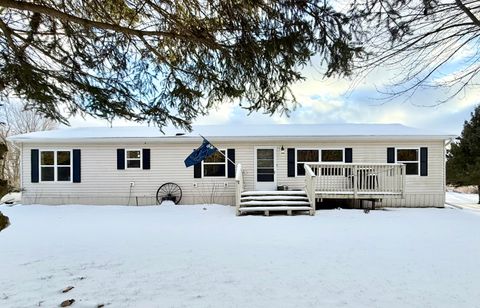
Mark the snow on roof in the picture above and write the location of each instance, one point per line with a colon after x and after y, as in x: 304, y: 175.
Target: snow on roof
x: 234, y: 131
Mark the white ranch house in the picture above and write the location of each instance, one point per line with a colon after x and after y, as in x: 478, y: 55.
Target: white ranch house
x: 276, y: 167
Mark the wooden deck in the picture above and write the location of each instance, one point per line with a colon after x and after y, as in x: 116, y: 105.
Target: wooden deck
x: 354, y: 181
x: 325, y: 181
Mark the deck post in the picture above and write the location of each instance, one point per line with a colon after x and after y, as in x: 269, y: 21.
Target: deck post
x: 238, y: 188
x: 310, y: 182
x: 355, y: 180
x: 404, y: 180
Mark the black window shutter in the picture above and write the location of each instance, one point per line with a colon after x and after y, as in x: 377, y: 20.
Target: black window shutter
x: 34, y: 165
x: 348, y: 155
x: 76, y: 166
x: 120, y: 159
x: 145, y: 159
x: 390, y: 155
x: 231, y: 166
x: 423, y: 161
x: 291, y: 162
x: 197, y: 170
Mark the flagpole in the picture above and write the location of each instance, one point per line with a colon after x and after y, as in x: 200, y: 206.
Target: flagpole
x: 226, y: 157
x: 219, y: 151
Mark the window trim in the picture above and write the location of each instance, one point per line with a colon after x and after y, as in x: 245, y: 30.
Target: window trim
x: 320, y: 150
x: 55, y: 165
x: 411, y: 161
x: 225, y: 164
x: 127, y: 159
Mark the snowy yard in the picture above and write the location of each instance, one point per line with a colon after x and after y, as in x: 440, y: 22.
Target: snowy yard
x: 469, y: 201
x: 188, y: 256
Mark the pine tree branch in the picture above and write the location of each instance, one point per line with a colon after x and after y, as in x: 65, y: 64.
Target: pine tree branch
x: 54, y: 13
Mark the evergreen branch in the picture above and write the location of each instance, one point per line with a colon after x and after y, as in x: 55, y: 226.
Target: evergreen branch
x: 42, y: 9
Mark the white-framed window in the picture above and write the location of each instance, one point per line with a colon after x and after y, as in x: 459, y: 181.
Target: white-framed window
x: 133, y: 159
x: 215, y: 165
x: 410, y: 158
x: 332, y: 156
x: 55, y: 165
x: 304, y: 156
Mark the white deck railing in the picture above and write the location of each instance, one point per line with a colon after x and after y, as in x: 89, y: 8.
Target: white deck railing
x: 356, y: 179
x: 239, y: 187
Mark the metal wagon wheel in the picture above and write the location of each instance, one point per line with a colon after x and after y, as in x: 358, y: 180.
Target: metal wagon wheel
x: 169, y: 192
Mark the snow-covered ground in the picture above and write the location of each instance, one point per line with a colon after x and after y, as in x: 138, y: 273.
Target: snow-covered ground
x: 205, y: 256
x: 11, y: 198
x: 462, y: 200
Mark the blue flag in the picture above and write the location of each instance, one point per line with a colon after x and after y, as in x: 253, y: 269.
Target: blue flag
x: 204, y: 151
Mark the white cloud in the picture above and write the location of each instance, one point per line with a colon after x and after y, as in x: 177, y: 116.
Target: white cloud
x: 469, y: 99
x: 219, y: 115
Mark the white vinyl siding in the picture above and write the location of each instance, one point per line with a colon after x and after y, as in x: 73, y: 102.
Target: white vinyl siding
x: 107, y: 186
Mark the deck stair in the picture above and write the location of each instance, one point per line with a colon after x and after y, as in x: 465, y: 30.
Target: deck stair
x: 274, y: 201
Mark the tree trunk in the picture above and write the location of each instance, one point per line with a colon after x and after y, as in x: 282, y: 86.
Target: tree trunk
x: 4, y: 222
x: 478, y: 190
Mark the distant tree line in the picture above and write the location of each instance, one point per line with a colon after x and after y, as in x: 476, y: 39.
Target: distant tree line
x: 463, y: 159
x: 15, y: 120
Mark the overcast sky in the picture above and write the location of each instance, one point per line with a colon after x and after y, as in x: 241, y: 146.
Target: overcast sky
x: 349, y: 100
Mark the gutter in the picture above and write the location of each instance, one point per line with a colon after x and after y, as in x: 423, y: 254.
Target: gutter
x: 183, y: 139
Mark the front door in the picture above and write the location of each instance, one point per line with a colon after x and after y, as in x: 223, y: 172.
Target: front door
x: 265, y: 177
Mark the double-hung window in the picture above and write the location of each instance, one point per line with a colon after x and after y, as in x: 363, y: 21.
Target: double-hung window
x: 306, y: 156
x: 56, y: 166
x: 332, y: 156
x: 133, y: 159
x: 410, y: 158
x: 215, y: 165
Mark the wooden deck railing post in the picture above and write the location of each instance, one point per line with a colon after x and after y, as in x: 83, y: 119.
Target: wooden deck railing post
x: 238, y: 188
x: 404, y: 180
x: 310, y: 183
x: 355, y: 181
